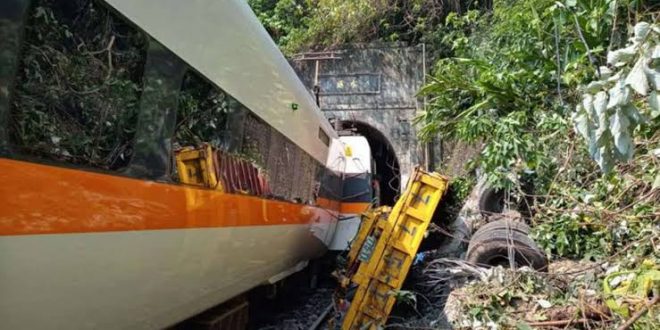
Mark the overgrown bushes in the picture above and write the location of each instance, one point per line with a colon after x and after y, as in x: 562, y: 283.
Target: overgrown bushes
x: 511, y: 76
x: 513, y: 81
x: 304, y: 25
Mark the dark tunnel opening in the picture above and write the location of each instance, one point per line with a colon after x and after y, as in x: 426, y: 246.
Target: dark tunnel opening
x: 385, y: 165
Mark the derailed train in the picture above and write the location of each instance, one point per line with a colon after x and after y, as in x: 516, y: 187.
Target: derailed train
x: 97, y: 228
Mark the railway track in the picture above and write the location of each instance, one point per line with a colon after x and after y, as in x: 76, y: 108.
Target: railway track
x: 301, y: 309
x: 322, y: 319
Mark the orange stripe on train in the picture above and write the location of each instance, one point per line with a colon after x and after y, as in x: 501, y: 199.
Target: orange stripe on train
x: 353, y: 208
x: 41, y: 199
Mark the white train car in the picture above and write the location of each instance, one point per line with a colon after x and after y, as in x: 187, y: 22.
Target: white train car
x: 357, y: 190
x: 97, y: 230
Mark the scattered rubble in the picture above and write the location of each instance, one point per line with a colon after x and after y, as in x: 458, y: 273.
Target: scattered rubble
x: 453, y: 293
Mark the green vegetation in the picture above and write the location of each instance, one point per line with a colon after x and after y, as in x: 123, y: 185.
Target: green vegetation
x: 511, y: 74
x: 198, y: 102
x: 513, y: 81
x: 64, y: 110
x: 302, y: 25
x: 563, y: 95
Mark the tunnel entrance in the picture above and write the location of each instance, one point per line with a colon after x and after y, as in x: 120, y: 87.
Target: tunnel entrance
x: 385, y: 165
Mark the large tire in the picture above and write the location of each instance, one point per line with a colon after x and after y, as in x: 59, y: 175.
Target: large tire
x: 501, y: 225
x: 491, y: 244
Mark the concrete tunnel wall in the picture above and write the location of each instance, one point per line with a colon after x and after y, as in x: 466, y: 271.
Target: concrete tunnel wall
x: 373, y: 84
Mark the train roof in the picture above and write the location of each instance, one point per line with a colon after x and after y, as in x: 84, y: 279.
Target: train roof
x: 224, y: 41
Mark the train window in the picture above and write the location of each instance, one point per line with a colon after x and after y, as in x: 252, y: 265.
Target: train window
x: 11, y: 24
x: 323, y: 136
x: 163, y: 75
x: 207, y: 114
x: 77, y: 92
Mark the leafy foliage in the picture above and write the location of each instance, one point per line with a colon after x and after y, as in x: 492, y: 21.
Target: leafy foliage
x: 203, y: 113
x: 607, y: 116
x: 509, y: 83
x: 79, y: 85
x: 510, y: 77
x: 285, y: 20
x: 454, y: 198
x: 303, y: 25
x: 587, y: 215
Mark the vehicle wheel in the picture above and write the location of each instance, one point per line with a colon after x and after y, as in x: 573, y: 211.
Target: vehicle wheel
x: 502, y: 225
x: 491, y: 201
x: 491, y: 246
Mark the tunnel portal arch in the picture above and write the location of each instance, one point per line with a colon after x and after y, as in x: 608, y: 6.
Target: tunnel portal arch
x: 385, y: 163
x: 373, y: 87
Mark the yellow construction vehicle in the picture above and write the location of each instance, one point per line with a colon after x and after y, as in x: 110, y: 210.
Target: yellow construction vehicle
x: 385, y: 248
x: 196, y: 166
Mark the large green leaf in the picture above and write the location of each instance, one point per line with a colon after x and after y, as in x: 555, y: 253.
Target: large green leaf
x: 654, y: 103
x: 637, y: 76
x: 601, y: 114
x: 588, y: 105
x: 600, y: 102
x: 595, y: 86
x: 653, y: 76
x: 641, y: 30
x: 604, y: 159
x: 622, y: 56
x: 583, y: 125
x: 619, y: 124
x: 619, y: 94
x: 633, y: 115
x: 656, y: 52
x: 605, y: 72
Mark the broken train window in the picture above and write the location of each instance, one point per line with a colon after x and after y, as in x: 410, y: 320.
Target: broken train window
x: 76, y: 96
